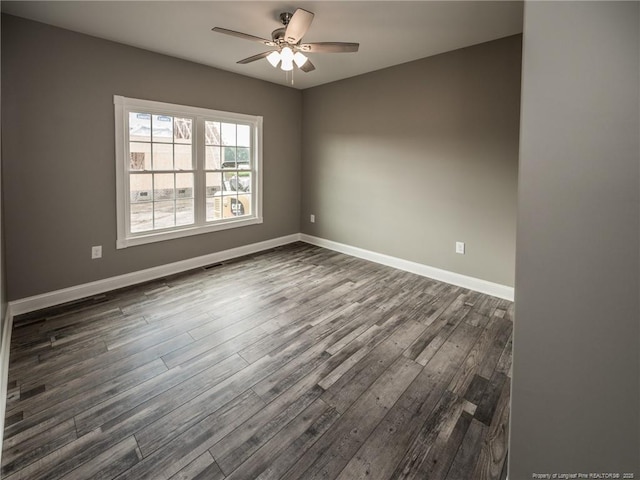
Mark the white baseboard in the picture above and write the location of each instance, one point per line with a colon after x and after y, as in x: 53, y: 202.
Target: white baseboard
x: 57, y: 297
x: 476, y: 284
x: 5, y: 343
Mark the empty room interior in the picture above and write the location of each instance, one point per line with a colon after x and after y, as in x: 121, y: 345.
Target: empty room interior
x: 320, y: 240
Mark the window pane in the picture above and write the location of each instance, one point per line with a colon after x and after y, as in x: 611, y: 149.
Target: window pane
x: 245, y: 200
x: 139, y: 156
x: 184, y: 211
x: 214, y: 196
x: 213, y: 158
x: 140, y: 188
x: 233, y: 182
x: 214, y: 184
x: 229, y: 204
x: 184, y: 185
x: 212, y: 133
x: 182, y: 130
x: 244, y: 181
x: 139, y: 127
x: 162, y: 128
x: 162, y: 156
x: 183, y: 157
x: 163, y: 186
x: 244, y: 136
x: 229, y: 157
x: 243, y: 157
x: 164, y: 214
x: 141, y: 217
x: 228, y: 131
x: 214, y: 208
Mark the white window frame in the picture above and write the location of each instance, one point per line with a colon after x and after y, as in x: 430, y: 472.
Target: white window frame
x: 123, y: 106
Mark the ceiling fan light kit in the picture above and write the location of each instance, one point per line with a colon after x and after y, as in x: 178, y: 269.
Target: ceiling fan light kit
x: 287, y: 40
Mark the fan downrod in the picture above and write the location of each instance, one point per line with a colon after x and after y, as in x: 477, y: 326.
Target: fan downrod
x: 285, y: 18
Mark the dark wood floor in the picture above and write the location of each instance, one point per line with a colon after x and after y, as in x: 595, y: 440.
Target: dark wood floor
x: 298, y: 362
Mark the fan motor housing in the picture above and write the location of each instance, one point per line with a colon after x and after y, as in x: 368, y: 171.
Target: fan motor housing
x: 278, y: 35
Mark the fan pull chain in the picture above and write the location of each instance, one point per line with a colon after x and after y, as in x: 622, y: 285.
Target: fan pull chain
x: 290, y: 72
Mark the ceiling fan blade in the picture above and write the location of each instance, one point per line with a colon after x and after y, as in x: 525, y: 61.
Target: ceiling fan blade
x: 308, y: 66
x: 298, y: 26
x: 246, y: 36
x: 254, y: 57
x: 329, y: 47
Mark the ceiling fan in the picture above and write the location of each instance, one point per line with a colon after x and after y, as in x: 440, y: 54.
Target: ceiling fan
x: 288, y: 51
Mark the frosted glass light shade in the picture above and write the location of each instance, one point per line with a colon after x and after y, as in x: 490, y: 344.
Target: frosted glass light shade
x: 300, y: 59
x: 287, y: 64
x: 274, y: 58
x: 286, y: 54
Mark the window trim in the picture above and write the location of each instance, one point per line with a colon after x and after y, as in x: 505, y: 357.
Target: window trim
x: 122, y: 106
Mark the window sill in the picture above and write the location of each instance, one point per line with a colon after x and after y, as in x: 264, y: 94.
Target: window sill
x: 153, y: 237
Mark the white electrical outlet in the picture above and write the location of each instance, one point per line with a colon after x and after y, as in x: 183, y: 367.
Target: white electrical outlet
x: 460, y: 248
x: 96, y: 252
x: 312, y: 218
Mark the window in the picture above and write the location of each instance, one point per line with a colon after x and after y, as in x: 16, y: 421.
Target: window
x: 184, y: 170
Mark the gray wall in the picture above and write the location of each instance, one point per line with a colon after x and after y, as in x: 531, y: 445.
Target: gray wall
x: 408, y: 160
x: 58, y: 152
x: 576, y: 365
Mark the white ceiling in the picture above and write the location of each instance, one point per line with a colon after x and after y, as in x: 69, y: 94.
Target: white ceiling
x: 389, y: 33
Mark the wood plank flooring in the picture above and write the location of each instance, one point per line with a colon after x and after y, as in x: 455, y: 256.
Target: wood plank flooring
x: 297, y: 362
